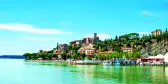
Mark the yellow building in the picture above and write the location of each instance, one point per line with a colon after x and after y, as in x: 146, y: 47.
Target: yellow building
x: 157, y: 32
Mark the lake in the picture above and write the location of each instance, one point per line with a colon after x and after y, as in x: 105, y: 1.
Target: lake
x: 16, y: 71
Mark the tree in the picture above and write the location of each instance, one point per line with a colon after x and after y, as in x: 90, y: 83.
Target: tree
x: 34, y: 56
x: 69, y: 47
x: 55, y: 56
x: 50, y: 56
x: 104, y: 49
x: 74, y: 56
x: 155, y: 53
x: 116, y: 38
x: 83, y: 56
x: 128, y: 44
x: 78, y: 55
x: 43, y: 55
x: 137, y: 54
x: 166, y: 29
x: 57, y: 46
x: 27, y: 56
x: 63, y: 56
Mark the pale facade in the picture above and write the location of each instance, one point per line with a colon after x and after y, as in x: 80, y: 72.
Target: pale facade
x: 127, y: 49
x: 88, y: 50
x: 157, y: 32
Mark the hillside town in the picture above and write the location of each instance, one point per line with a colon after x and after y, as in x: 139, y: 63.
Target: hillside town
x: 129, y: 46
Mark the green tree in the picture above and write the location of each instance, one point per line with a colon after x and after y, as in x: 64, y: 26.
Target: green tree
x: 128, y: 44
x: 50, y: 56
x: 55, y: 56
x: 155, y: 53
x: 83, y: 56
x: 68, y: 56
x: 137, y: 54
x: 74, y: 56
x: 63, y: 56
x: 27, y: 56
x: 34, y: 56
x: 68, y: 48
x: 43, y: 55
x: 78, y: 55
x: 116, y: 38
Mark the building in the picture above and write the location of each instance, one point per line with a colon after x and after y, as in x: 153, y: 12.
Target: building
x: 157, y: 32
x: 88, y: 50
x: 42, y: 51
x: 57, y: 52
x: 125, y: 49
x: 61, y: 47
x: 95, y: 38
x: 166, y: 58
x: 88, y: 40
x: 75, y: 43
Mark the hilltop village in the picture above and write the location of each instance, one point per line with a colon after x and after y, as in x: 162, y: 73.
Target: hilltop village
x: 130, y: 45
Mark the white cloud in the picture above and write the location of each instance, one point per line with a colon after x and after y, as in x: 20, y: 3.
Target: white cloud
x: 147, y: 13
x: 30, y: 29
x: 101, y: 36
x: 142, y: 33
x: 40, y: 39
x: 104, y: 36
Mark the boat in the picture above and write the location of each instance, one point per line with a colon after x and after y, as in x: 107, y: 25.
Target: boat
x: 86, y: 62
x: 107, y: 63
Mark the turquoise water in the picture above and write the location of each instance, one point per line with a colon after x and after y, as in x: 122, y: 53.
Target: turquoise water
x: 19, y: 72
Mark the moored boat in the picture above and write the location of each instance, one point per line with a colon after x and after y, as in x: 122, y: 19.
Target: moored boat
x: 107, y: 63
x: 86, y: 62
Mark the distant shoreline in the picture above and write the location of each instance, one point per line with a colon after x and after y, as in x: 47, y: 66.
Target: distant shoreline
x: 12, y: 57
x: 43, y: 61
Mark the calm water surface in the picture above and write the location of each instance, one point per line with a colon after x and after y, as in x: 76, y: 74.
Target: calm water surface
x: 19, y: 72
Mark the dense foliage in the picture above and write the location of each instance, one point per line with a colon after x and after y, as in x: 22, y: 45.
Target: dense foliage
x: 50, y: 56
x: 114, y: 55
x: 43, y: 56
x: 73, y: 48
x: 117, y: 43
x: 130, y: 40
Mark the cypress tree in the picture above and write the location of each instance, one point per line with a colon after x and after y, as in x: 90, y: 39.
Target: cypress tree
x: 116, y: 38
x: 57, y: 46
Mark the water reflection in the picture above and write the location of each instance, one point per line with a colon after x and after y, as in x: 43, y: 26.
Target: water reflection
x: 110, y: 74
x: 166, y: 74
x: 125, y: 74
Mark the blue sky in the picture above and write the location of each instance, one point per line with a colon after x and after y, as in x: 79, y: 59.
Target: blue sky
x: 30, y: 25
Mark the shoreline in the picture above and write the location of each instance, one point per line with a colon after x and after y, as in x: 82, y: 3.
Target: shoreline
x: 74, y: 63
x: 43, y: 61
x: 57, y: 61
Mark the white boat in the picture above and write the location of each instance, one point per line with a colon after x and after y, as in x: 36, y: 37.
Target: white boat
x: 79, y: 61
x: 141, y: 63
x: 107, y: 63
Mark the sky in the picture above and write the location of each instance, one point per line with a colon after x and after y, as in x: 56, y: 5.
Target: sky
x: 31, y: 25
